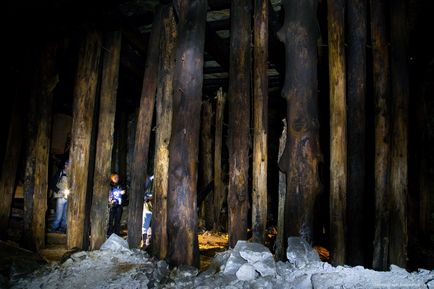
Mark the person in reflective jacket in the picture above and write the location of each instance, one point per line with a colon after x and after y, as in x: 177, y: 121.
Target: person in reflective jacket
x: 115, y: 204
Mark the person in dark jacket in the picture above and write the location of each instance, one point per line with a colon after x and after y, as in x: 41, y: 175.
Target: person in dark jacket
x: 115, y: 204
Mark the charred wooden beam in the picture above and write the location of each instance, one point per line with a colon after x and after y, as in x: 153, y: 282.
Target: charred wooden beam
x: 356, y: 98
x: 381, y: 89
x: 338, y: 129
x: 219, y: 191
x: 104, y: 143
x: 260, y: 120
x: 164, y: 110
x: 299, y: 34
x: 184, y: 142
x: 399, y: 153
x: 81, y: 132
x: 143, y: 134
x: 206, y: 163
x: 239, y: 120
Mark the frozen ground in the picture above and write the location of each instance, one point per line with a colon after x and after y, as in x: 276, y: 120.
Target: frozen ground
x: 248, y: 265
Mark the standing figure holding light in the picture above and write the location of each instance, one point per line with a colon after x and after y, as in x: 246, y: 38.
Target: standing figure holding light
x: 115, y: 204
x: 61, y: 195
x: 147, y: 212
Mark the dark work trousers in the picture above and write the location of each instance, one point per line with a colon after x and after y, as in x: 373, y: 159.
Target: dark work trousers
x: 114, y: 224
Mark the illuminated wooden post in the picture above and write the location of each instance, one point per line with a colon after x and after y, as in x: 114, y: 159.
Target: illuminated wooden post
x: 299, y: 34
x: 239, y: 120
x: 164, y: 110
x: 338, y: 130
x: 104, y: 143
x: 81, y: 132
x: 260, y: 120
x: 184, y: 142
x: 143, y: 134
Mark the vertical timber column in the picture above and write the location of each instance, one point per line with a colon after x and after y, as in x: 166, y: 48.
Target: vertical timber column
x: 143, y: 135
x: 184, y: 142
x: 399, y: 154
x: 356, y: 95
x: 206, y: 154
x: 260, y: 119
x: 164, y: 110
x: 48, y: 79
x: 299, y: 34
x: 381, y: 89
x: 219, y: 191
x: 10, y: 165
x: 81, y: 133
x: 104, y: 143
x: 239, y: 119
x: 27, y: 239
x: 338, y: 129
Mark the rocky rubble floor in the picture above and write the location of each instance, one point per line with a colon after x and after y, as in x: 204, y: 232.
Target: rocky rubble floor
x: 248, y: 265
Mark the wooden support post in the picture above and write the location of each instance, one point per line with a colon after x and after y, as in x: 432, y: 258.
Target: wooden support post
x: 424, y: 180
x: 356, y: 97
x: 27, y: 240
x: 219, y: 191
x: 81, y: 133
x: 104, y: 143
x: 48, y: 79
x: 206, y: 154
x: 239, y: 120
x: 184, y: 142
x: 399, y: 153
x: 10, y: 165
x: 280, y: 251
x: 338, y: 130
x: 381, y: 88
x: 260, y: 120
x: 143, y: 135
x: 164, y: 110
x: 299, y: 34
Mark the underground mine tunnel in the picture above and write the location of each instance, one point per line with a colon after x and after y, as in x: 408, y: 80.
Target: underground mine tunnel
x: 223, y: 121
